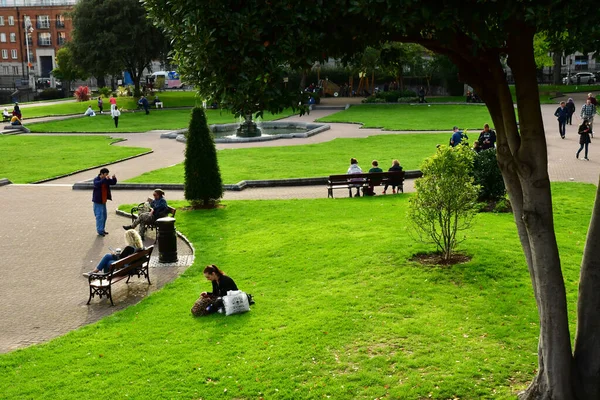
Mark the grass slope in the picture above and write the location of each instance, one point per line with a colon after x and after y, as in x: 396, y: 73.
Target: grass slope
x: 170, y: 99
x: 403, y: 117
x: 139, y: 121
x: 340, y: 312
x: 312, y: 160
x: 28, y: 159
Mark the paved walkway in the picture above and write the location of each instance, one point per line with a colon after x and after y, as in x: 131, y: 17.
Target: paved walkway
x: 42, y: 292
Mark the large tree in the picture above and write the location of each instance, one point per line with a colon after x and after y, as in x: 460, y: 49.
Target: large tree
x: 110, y: 36
x: 478, y: 36
x: 67, y: 69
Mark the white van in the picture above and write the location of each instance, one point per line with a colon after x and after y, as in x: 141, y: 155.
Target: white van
x: 172, y: 79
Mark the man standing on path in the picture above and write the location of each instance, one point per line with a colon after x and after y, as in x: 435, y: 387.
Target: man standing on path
x: 562, y: 114
x: 487, y: 138
x: 113, y: 102
x: 100, y: 195
x: 588, y: 111
x: 457, y: 137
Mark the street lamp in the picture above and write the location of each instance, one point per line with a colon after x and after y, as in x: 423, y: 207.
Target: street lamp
x: 28, y: 31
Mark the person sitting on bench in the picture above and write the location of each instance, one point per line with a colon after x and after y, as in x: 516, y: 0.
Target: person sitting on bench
x: 6, y: 115
x: 159, y: 209
x: 134, y: 244
x: 355, y: 169
x: 157, y: 103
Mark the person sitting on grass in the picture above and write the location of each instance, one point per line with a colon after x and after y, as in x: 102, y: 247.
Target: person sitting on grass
x: 158, y: 209
x: 369, y: 191
x: 354, y: 169
x: 134, y: 244
x: 396, y: 167
x: 89, y: 112
x: 15, y: 121
x: 210, y: 302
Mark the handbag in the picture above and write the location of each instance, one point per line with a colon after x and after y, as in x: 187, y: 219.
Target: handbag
x: 236, y: 302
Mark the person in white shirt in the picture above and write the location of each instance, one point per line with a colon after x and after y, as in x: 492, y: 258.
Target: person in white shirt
x: 115, y: 114
x: 89, y: 112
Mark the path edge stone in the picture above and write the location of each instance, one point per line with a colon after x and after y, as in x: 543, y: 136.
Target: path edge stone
x: 4, y: 182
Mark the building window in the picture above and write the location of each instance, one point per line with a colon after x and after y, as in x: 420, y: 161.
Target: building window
x: 31, y: 56
x: 43, y: 22
x: 3, y: 37
x: 4, y: 70
x: 11, y: 20
x: 60, y: 21
x: 62, y: 38
x: 1, y: 20
x: 13, y: 37
x: 44, y: 39
x: 5, y: 54
x: 13, y: 54
x: 16, y: 70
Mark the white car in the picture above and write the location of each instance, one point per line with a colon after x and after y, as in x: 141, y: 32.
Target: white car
x: 581, y: 77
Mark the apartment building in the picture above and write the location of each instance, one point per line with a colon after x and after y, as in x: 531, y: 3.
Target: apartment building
x: 31, y: 32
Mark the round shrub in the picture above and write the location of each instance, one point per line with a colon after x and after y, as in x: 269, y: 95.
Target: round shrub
x: 487, y: 175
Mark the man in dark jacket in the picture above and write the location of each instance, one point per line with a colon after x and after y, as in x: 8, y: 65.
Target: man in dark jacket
x: 561, y: 115
x: 487, y: 138
x: 100, y: 195
x: 143, y: 102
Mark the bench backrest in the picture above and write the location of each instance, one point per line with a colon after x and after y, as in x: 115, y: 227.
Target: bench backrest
x: 136, y: 260
x: 391, y: 177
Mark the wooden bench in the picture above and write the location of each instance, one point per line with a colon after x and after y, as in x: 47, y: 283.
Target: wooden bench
x: 352, y: 181
x: 135, y: 264
x: 152, y: 226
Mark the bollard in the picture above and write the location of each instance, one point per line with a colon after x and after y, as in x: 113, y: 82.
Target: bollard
x: 167, y: 240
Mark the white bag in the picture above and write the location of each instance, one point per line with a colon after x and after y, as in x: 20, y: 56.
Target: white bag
x: 236, y: 302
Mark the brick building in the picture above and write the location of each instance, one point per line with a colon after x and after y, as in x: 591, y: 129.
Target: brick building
x: 50, y: 28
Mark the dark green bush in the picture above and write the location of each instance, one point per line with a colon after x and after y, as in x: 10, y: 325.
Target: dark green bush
x: 50, y: 94
x: 486, y: 173
x: 105, y: 92
x: 203, y: 184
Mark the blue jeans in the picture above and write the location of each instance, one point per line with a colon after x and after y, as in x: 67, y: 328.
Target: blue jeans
x: 100, y: 213
x: 105, y: 263
x: 562, y: 126
x: 581, y: 148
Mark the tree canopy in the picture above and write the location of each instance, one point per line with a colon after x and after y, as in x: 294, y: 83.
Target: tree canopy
x: 237, y: 50
x: 67, y: 69
x: 111, y: 36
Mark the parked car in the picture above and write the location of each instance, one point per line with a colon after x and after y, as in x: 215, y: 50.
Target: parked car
x: 580, y: 77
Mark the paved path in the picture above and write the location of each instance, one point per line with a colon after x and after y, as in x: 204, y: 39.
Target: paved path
x: 42, y: 292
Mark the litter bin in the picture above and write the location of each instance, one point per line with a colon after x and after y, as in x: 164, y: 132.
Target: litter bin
x: 167, y: 240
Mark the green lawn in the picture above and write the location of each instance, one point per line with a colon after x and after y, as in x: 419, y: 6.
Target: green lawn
x: 27, y: 159
x: 407, y: 117
x: 170, y: 99
x: 139, y: 121
x: 313, y: 160
x: 544, y: 99
x: 340, y: 313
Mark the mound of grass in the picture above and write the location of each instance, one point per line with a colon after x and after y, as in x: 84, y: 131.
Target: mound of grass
x: 27, y: 159
x: 139, y: 121
x: 313, y: 160
x: 402, y: 117
x: 339, y: 312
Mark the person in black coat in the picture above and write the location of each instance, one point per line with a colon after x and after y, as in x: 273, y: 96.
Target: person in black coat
x: 561, y: 115
x: 570, y: 111
x: 210, y: 302
x: 584, y: 138
x: 397, y: 168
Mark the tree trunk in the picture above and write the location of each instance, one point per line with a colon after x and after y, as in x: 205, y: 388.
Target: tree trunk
x: 553, y: 380
x: 101, y: 81
x: 587, y: 340
x: 556, y: 69
x: 302, y: 81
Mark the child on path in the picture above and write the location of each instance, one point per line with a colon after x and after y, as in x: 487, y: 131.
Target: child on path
x: 396, y: 167
x: 584, y: 138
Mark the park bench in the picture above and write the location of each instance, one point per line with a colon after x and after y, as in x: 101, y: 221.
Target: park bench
x: 141, y: 208
x: 351, y: 181
x: 135, y: 264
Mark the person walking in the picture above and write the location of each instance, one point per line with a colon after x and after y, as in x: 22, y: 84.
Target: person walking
x: 143, y: 102
x: 113, y: 102
x: 570, y: 111
x: 100, y: 195
x: 593, y: 99
x: 115, y: 114
x: 100, y: 104
x: 561, y: 114
x: 588, y: 111
x: 584, y: 138
x: 422, y: 95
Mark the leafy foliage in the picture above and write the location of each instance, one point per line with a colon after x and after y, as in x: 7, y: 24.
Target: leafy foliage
x: 67, y: 69
x: 105, y: 91
x: 446, y: 198
x: 50, y: 93
x: 488, y: 176
x: 203, y: 184
x: 83, y: 93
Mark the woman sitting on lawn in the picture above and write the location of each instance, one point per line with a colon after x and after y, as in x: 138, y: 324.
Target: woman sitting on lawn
x: 158, y: 209
x: 209, y: 302
x: 134, y: 244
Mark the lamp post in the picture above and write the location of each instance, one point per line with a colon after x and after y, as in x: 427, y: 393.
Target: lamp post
x: 28, y: 31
